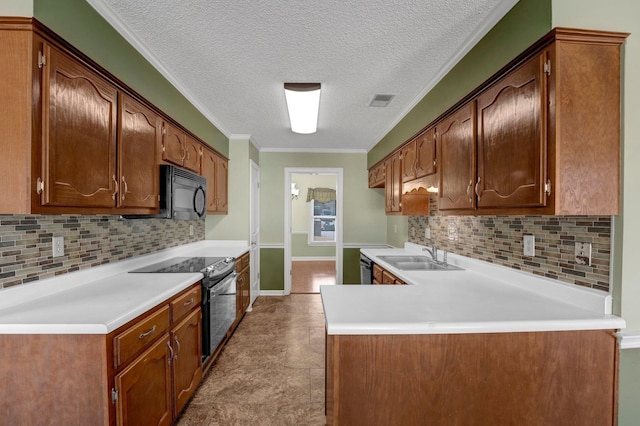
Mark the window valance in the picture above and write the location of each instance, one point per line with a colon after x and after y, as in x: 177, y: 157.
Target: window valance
x: 321, y: 195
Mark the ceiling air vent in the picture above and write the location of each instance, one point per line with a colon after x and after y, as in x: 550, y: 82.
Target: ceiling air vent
x: 381, y: 100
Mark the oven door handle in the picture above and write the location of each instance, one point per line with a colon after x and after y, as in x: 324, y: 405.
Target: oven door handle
x: 218, y: 288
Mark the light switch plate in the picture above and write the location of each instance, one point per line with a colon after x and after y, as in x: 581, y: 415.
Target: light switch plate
x: 583, y: 254
x: 427, y: 232
x: 529, y: 245
x: 58, y: 246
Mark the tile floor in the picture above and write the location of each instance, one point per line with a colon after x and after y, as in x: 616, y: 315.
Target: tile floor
x: 271, y: 371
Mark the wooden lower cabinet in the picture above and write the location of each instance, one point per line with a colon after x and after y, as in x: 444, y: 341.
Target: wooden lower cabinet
x: 142, y: 373
x: 382, y: 276
x: 144, y: 388
x: 243, y: 287
x: 529, y: 378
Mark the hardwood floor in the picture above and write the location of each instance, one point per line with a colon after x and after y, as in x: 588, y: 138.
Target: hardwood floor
x: 307, y: 276
x: 271, y: 372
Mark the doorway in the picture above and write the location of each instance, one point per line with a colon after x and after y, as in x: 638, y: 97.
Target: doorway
x: 313, y: 228
x: 254, y: 224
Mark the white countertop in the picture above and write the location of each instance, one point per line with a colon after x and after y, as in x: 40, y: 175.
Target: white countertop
x: 483, y: 298
x: 101, y: 299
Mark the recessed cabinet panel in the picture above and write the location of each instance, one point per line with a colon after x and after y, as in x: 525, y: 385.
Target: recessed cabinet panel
x: 409, y: 161
x: 186, y: 339
x: 192, y: 154
x: 79, y: 134
x: 222, y: 177
x: 139, y: 136
x: 426, y: 153
x: 173, y: 146
x: 456, y: 144
x: 512, y: 140
x: 393, y: 183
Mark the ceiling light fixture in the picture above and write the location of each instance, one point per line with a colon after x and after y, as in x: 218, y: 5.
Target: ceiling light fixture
x: 303, y: 103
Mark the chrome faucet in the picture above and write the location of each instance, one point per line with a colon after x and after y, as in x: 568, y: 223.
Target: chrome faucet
x: 433, y: 251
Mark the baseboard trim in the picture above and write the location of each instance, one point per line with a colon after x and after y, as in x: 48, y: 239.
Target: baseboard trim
x: 272, y: 293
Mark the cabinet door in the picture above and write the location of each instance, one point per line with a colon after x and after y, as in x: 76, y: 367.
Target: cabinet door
x: 426, y: 153
x: 79, y: 134
x: 208, y: 170
x: 139, y: 135
x: 193, y: 153
x: 186, y: 339
x: 512, y: 141
x: 246, y: 290
x: 144, y: 388
x: 393, y: 183
x: 173, y: 144
x: 456, y: 144
x: 221, y: 182
x: 409, y: 161
x: 376, y: 176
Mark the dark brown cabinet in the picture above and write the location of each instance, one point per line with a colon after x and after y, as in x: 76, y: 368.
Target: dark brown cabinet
x: 512, y: 142
x: 139, y: 136
x: 456, y: 145
x: 174, y: 141
x: 79, y: 110
x: 243, y: 287
x: 186, y: 341
x: 426, y: 153
x: 144, y: 388
x: 193, y: 154
x: 393, y: 183
x: 408, y: 155
x: 215, y: 170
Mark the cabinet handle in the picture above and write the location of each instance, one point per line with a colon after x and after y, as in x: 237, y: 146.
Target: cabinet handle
x: 184, y: 154
x: 115, y: 181
x: 147, y: 333
x: 477, y: 187
x: 188, y: 303
x: 126, y: 188
x: 170, y: 352
x: 175, y: 339
x: 469, y: 191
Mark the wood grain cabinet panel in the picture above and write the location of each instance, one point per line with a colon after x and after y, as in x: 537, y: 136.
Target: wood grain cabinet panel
x: 456, y: 145
x: 139, y: 136
x: 216, y: 170
x: 193, y: 154
x: 408, y: 155
x: 186, y: 340
x: 173, y: 144
x: 376, y: 176
x: 393, y: 184
x: 144, y: 388
x: 426, y: 153
x: 79, y: 134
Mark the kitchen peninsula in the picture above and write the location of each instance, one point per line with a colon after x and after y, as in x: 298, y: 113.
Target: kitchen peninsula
x: 105, y: 346
x: 486, y: 345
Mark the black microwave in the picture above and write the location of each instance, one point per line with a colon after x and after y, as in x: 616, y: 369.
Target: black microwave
x: 183, y: 195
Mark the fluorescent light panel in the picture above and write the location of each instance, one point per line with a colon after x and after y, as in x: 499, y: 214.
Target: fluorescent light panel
x: 303, y: 103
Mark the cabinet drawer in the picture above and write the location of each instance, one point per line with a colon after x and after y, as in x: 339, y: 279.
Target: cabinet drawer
x: 133, y: 340
x: 377, y: 273
x: 185, y: 303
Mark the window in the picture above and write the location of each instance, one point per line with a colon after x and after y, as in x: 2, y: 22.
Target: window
x: 322, y: 222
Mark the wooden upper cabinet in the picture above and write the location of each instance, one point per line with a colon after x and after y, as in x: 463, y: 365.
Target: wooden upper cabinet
x: 409, y: 161
x: 139, y: 136
x: 512, y: 141
x: 79, y: 134
x: 456, y: 145
x: 193, y: 154
x: 426, y: 153
x: 393, y: 183
x: 376, y: 176
x: 173, y: 144
x: 215, y: 170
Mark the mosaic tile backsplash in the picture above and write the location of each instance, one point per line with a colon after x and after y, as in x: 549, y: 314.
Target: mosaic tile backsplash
x: 26, y: 249
x: 498, y: 239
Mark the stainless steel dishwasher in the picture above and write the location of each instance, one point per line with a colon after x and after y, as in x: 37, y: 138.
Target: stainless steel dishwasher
x: 366, y: 270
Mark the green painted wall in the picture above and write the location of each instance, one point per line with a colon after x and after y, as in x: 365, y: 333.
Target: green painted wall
x: 79, y: 24
x: 271, y: 269
x: 364, y: 219
x: 527, y: 21
x: 236, y: 224
x: 351, y: 266
x: 301, y: 248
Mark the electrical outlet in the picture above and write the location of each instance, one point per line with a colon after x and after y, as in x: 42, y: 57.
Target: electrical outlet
x: 58, y: 246
x: 191, y: 230
x: 427, y: 232
x: 529, y: 245
x: 583, y: 254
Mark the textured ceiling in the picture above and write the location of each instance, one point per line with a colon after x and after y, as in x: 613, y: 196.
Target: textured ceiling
x: 230, y: 58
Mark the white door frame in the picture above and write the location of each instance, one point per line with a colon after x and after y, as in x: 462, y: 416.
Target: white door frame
x: 288, y: 171
x: 254, y: 231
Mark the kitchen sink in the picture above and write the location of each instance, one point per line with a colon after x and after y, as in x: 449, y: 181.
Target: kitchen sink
x: 417, y: 263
